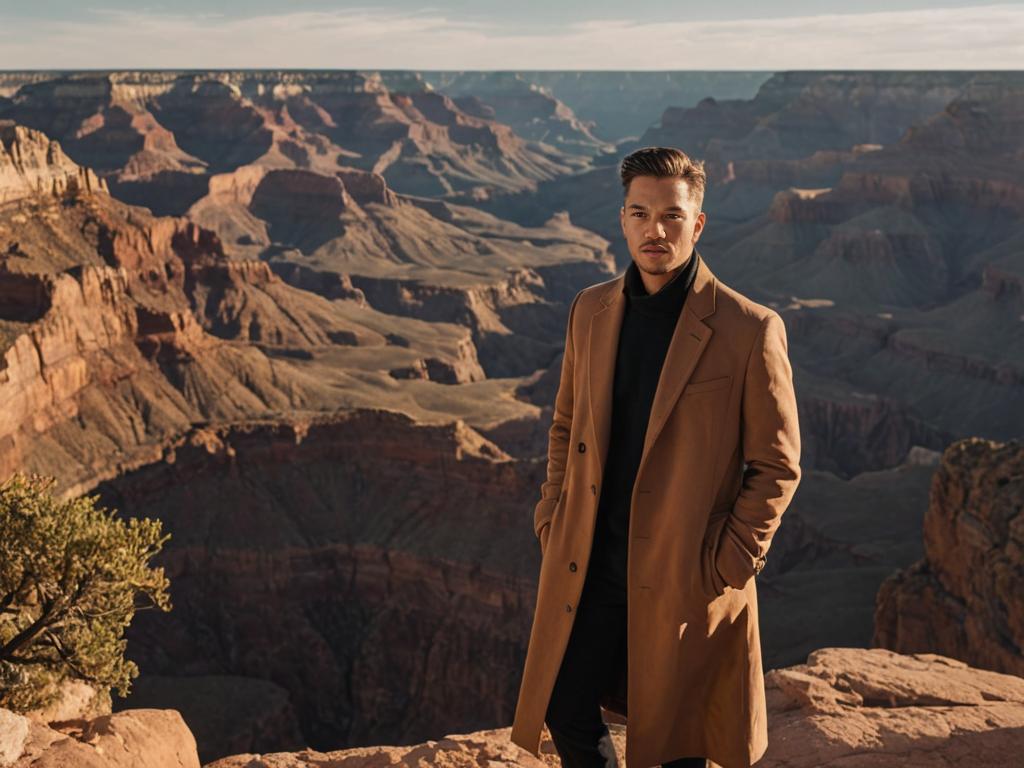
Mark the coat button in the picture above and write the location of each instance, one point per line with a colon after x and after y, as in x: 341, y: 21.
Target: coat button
x: 593, y: 489
x: 572, y: 567
x: 582, y: 447
x: 568, y: 608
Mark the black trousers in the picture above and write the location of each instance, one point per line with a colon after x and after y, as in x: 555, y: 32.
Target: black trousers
x: 597, y: 648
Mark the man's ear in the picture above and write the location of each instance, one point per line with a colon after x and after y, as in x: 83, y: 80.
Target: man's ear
x: 702, y: 219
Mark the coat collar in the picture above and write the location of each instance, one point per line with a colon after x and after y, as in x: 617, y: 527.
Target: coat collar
x: 689, y: 340
x: 667, y: 300
x: 700, y: 299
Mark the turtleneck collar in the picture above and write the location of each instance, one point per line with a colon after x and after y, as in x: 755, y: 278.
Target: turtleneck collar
x: 669, y: 299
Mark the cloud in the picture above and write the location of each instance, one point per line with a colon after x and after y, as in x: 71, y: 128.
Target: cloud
x: 980, y: 37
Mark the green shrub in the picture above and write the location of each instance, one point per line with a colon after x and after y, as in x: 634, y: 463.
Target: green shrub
x: 70, y: 577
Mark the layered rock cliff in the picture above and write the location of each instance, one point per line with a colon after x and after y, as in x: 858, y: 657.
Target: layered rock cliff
x: 351, y: 560
x: 963, y: 597
x: 33, y: 165
x: 121, y: 329
x: 619, y: 105
x: 160, y: 135
x: 410, y: 256
x: 132, y: 348
x: 794, y: 112
x: 302, y: 169
x: 901, y: 304
x: 530, y: 109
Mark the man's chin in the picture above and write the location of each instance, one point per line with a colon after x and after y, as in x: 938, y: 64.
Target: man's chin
x: 658, y: 263
x: 654, y: 264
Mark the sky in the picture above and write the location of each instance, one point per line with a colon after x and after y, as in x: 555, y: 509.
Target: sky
x: 511, y: 34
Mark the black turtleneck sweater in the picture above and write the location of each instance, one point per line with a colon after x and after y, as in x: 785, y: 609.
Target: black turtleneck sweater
x: 647, y: 327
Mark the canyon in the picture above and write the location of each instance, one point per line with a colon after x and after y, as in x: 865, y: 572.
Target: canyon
x: 313, y: 322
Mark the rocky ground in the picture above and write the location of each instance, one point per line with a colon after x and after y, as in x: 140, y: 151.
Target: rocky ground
x: 843, y: 707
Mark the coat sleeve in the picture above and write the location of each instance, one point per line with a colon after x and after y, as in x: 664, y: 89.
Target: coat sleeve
x: 771, y: 450
x: 558, y: 433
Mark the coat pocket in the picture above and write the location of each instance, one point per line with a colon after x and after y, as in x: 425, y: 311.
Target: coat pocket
x: 708, y: 385
x: 711, y: 582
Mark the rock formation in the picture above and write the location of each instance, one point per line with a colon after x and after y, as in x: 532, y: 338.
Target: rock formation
x: 852, y: 706
x: 617, y: 106
x: 156, y: 738
x: 350, y: 560
x: 302, y: 170
x: 879, y: 213
x: 794, y: 112
x: 142, y: 343
x: 844, y: 706
x: 159, y: 316
x: 33, y: 165
x: 410, y: 256
x: 963, y: 598
x: 158, y: 136
x: 531, y: 110
x: 227, y: 714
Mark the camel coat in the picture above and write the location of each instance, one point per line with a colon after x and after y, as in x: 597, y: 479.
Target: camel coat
x: 720, y: 465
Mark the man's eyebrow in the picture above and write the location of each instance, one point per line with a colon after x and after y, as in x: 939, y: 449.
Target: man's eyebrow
x: 670, y: 208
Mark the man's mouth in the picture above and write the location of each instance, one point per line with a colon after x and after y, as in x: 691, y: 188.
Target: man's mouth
x: 653, y: 249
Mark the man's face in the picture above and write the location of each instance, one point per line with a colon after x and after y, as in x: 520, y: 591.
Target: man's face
x: 660, y: 222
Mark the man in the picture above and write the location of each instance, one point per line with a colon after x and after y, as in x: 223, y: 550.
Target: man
x: 673, y: 452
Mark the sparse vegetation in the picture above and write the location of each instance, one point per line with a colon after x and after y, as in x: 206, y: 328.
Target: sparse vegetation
x: 71, y: 578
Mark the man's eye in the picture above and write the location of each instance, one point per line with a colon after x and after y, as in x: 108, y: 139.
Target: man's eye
x: 638, y: 213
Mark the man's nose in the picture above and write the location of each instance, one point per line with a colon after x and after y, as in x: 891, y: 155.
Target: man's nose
x: 654, y: 230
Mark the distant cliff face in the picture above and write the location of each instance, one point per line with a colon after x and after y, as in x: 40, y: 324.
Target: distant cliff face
x: 159, y: 136
x: 141, y: 353
x: 615, y: 106
x: 31, y: 164
x: 120, y: 329
x: 963, y: 599
x: 104, y: 355
x: 334, y: 177
x: 352, y: 560
x: 793, y: 112
x: 879, y: 213
x: 531, y: 110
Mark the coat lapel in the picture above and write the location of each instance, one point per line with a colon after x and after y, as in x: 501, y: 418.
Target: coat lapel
x: 602, y: 348
x: 689, y: 340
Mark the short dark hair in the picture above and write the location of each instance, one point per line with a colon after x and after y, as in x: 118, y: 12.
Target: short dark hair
x: 662, y: 162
